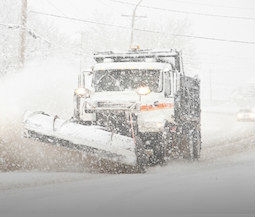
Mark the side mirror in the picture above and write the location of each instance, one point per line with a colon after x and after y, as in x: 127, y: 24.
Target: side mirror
x: 167, y: 83
x: 85, y: 80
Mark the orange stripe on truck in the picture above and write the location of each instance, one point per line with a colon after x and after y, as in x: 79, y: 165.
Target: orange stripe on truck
x: 156, y: 107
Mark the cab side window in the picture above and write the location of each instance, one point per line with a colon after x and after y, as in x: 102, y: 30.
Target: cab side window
x: 168, y: 84
x: 171, y: 83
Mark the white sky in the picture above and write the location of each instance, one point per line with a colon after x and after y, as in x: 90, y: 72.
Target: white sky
x: 230, y: 64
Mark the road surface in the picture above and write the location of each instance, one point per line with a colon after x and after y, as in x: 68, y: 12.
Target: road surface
x: 221, y: 184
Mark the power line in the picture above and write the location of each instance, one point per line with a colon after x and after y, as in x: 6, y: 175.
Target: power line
x: 33, y: 34
x: 10, y: 26
x: 211, y: 5
x: 30, y: 31
x: 79, y: 20
x: 142, y: 30
x: 185, y: 12
x: 201, y: 37
x: 54, y: 6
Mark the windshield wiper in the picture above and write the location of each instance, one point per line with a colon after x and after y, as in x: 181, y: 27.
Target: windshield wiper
x: 106, y: 74
x: 101, y: 77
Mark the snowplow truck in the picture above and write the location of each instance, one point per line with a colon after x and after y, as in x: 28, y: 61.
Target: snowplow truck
x: 136, y: 108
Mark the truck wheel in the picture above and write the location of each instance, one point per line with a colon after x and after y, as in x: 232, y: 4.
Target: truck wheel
x: 187, y: 143
x: 155, y: 150
x: 159, y: 150
x: 142, y: 160
x: 197, y: 144
x: 191, y: 143
x: 171, y: 142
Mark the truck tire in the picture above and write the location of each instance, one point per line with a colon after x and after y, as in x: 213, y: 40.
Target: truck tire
x: 187, y: 144
x: 191, y: 143
x: 156, y: 145
x: 159, y: 151
x: 142, y: 160
x: 197, y: 143
x: 171, y: 140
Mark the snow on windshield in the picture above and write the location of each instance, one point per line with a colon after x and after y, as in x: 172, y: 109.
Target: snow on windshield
x: 120, y: 80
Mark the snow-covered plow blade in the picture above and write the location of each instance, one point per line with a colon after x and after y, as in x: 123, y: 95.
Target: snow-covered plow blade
x: 94, y: 140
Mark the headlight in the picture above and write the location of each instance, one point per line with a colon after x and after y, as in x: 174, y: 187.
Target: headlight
x: 82, y: 92
x: 251, y: 115
x: 144, y: 90
x: 239, y: 116
x: 160, y: 125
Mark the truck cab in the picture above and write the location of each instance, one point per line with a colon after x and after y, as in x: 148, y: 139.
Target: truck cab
x: 141, y: 83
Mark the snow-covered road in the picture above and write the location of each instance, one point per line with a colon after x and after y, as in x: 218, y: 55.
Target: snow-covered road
x: 220, y: 184
x: 176, y: 190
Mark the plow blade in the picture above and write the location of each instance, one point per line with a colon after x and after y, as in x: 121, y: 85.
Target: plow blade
x: 94, y: 140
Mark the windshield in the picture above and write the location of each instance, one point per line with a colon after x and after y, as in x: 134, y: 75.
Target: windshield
x: 120, y: 80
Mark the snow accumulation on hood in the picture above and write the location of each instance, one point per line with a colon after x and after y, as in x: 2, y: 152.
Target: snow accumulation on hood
x: 126, y: 97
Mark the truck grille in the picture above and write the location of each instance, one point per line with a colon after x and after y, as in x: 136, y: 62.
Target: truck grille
x: 115, y: 106
x: 116, y: 122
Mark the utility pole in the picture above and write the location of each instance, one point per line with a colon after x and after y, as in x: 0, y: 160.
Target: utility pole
x: 23, y: 30
x: 133, y: 22
x: 81, y: 52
